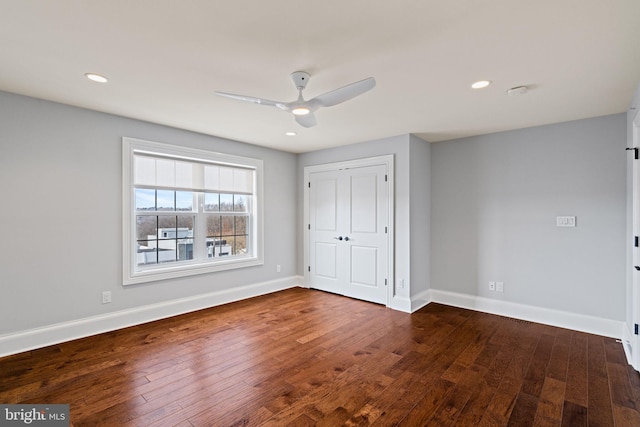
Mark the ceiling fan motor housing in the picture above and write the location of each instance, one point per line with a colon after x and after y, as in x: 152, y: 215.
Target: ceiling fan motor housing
x: 300, y: 79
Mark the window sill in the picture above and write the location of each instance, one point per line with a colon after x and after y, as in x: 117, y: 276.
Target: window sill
x: 184, y: 270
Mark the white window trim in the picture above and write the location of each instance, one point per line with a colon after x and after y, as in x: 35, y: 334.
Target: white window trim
x: 130, y: 275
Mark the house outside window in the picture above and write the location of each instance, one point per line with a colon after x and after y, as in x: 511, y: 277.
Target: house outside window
x: 188, y: 211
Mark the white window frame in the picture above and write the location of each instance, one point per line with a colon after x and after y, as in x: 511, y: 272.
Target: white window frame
x: 132, y: 273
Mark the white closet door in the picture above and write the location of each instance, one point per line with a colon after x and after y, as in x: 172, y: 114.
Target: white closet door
x: 348, y: 232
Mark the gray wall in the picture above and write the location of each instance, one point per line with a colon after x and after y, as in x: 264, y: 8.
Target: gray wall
x: 60, y: 184
x: 420, y: 214
x: 495, y: 199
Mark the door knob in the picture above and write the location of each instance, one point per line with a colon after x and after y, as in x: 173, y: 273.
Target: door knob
x: 338, y: 238
x: 346, y: 238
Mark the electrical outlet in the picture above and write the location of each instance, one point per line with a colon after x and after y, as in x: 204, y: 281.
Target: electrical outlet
x: 500, y: 286
x: 492, y: 286
x: 565, y: 221
x: 278, y: 268
x: 106, y: 297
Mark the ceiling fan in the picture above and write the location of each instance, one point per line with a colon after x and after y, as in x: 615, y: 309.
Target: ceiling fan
x: 303, y: 110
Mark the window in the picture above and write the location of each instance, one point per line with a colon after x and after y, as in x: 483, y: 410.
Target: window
x: 188, y: 211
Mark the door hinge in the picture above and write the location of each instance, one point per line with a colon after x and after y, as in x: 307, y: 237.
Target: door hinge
x: 635, y: 241
x: 309, y: 184
x: 385, y: 230
x: 309, y: 268
x: 385, y: 178
x: 635, y: 152
x: 309, y: 227
x: 635, y: 329
x: 385, y: 282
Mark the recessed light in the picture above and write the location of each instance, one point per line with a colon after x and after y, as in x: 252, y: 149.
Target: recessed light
x: 290, y: 133
x: 96, y: 77
x: 480, y: 84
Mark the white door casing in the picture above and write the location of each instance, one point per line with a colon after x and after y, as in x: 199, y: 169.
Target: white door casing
x: 635, y: 304
x: 348, y: 233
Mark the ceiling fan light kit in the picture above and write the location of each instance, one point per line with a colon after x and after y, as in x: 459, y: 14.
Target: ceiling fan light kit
x: 303, y: 109
x: 300, y: 111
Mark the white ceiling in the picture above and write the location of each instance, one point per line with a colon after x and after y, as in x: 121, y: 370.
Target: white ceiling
x: 166, y: 58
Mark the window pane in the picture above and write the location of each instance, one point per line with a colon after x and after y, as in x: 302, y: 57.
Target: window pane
x: 240, y: 246
x: 240, y: 225
x: 185, y: 226
x: 166, y: 227
x: 184, y: 201
x: 223, y: 247
x: 210, y: 247
x: 145, y: 199
x: 185, y: 249
x: 227, y: 226
x: 213, y: 226
x: 167, y: 250
x: 166, y: 200
x: 217, y: 247
x: 211, y: 202
x: 146, y: 227
x: 226, y: 202
x: 239, y: 203
x: 146, y: 253
x: 227, y: 248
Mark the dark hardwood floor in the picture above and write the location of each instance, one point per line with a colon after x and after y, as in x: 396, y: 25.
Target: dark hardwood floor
x: 302, y: 358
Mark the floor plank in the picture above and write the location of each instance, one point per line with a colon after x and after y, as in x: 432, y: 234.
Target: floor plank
x: 577, y: 383
x: 307, y: 358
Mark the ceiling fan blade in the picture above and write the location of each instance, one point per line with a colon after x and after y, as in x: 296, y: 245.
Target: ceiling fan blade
x: 345, y: 93
x: 254, y: 100
x: 308, y: 120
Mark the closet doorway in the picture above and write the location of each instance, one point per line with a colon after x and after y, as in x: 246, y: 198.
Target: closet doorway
x: 348, y: 221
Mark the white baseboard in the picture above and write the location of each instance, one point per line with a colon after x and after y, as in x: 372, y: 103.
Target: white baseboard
x: 400, y: 304
x: 66, y: 331
x: 626, y: 344
x: 420, y: 300
x: 562, y: 319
